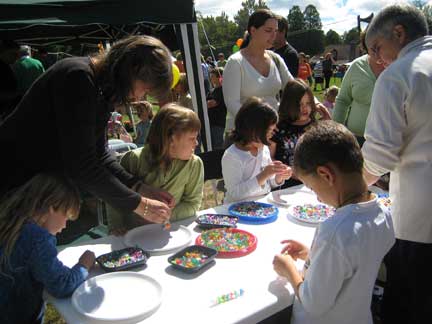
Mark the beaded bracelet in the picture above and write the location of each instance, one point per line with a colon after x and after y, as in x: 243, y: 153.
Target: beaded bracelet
x: 146, y: 207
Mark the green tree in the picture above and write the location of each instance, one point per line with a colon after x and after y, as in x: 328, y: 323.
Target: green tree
x: 352, y: 36
x: 312, y: 18
x: 295, y: 19
x: 221, y: 33
x: 309, y: 41
x: 427, y: 10
x: 420, y: 4
x: 332, y: 38
x: 248, y: 7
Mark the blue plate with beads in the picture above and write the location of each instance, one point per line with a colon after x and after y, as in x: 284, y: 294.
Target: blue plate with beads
x: 253, y: 212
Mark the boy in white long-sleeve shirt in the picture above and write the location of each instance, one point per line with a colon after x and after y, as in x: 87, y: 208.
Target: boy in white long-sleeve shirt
x: 348, y: 248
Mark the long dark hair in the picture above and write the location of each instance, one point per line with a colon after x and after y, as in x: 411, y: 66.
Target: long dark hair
x: 142, y: 58
x: 289, y: 107
x: 257, y: 19
x: 252, y: 122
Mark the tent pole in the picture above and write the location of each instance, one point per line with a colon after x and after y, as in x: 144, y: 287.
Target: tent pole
x: 189, y: 33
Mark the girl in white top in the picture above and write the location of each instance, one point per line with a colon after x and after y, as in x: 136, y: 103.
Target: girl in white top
x: 247, y: 168
x: 254, y: 71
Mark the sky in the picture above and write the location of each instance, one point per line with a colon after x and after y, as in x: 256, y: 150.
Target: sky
x: 339, y: 15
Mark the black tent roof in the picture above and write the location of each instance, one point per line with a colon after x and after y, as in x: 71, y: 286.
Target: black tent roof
x: 52, y: 21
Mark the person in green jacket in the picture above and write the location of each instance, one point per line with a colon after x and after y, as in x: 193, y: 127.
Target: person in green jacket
x: 354, y: 98
x: 167, y: 162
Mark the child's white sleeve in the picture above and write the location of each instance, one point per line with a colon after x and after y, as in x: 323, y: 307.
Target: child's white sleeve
x: 237, y: 188
x: 324, y: 278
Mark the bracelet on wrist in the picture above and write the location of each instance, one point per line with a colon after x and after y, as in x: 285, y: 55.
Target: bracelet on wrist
x: 146, y: 207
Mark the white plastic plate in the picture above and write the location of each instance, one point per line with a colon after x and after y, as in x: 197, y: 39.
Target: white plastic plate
x: 155, y: 240
x: 118, y: 296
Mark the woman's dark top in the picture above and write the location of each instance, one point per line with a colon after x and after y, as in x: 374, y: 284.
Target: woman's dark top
x: 60, y: 126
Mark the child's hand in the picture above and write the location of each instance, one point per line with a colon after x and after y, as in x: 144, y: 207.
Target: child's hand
x: 282, y: 176
x: 211, y: 103
x: 295, y: 249
x: 276, y: 167
x: 284, y: 265
x: 323, y: 111
x: 87, y: 259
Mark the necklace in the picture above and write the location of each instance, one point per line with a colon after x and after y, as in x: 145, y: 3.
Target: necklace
x: 354, y: 197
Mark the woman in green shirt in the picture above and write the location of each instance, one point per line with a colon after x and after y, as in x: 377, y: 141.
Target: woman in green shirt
x: 354, y: 98
x: 167, y: 162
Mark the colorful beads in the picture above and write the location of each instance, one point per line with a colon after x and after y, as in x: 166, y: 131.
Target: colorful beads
x: 253, y: 209
x: 191, y: 259
x: 121, y: 258
x: 384, y: 200
x: 166, y: 226
x: 218, y: 220
x: 313, y: 213
x: 225, y: 240
x: 227, y: 297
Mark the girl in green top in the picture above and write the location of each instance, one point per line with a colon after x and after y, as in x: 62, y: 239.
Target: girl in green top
x: 167, y: 161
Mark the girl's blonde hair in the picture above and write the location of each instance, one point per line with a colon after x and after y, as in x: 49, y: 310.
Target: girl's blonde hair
x: 31, y: 202
x: 331, y: 92
x: 142, y: 106
x: 171, y: 120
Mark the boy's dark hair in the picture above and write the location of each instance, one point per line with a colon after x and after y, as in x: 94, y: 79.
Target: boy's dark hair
x: 289, y: 108
x: 327, y: 142
x: 252, y: 122
x: 141, y: 106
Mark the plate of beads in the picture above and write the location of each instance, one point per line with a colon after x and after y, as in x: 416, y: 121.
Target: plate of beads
x: 384, y: 200
x: 311, y: 213
x: 228, y: 242
x: 123, y: 259
x: 253, y: 212
x: 216, y: 221
x: 192, y: 258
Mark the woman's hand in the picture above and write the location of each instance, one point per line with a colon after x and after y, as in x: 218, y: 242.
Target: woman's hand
x: 87, y: 259
x: 295, y: 249
x: 157, y: 194
x: 154, y: 211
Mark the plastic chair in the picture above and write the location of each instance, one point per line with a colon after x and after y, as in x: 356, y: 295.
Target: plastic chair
x: 212, y: 168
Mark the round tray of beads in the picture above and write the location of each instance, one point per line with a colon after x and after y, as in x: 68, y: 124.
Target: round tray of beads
x: 192, y: 258
x: 384, y: 200
x: 208, y: 221
x: 123, y: 259
x: 228, y: 242
x: 252, y: 212
x: 311, y: 213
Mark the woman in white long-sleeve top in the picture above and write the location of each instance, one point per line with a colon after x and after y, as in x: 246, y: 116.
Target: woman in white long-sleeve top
x: 254, y: 70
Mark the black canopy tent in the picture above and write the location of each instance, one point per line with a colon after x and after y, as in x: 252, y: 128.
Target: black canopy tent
x: 46, y: 22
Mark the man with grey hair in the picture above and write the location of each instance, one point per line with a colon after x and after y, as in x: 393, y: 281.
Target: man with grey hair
x: 26, y: 69
x: 399, y: 139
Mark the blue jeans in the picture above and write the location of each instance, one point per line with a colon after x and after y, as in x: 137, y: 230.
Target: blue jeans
x: 217, y: 136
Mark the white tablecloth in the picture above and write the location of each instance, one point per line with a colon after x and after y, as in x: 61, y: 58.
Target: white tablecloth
x: 187, y: 298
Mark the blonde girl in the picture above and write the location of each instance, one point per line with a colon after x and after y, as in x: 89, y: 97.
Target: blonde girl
x: 144, y: 111
x: 167, y: 162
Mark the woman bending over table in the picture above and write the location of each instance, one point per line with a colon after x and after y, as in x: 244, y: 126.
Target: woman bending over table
x: 167, y: 162
x: 69, y: 107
